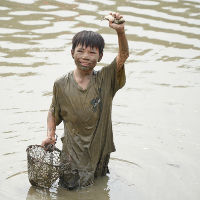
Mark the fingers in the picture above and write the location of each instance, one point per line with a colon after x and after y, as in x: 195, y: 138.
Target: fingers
x: 43, y: 143
x: 111, y: 22
x: 49, y: 147
x: 116, y: 15
x: 48, y: 141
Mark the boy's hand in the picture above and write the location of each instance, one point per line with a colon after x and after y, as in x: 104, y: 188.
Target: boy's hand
x: 117, y: 27
x: 48, y: 140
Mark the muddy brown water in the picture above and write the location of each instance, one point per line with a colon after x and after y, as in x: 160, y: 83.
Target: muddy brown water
x: 155, y: 116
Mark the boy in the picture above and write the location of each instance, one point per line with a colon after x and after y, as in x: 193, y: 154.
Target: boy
x: 82, y: 99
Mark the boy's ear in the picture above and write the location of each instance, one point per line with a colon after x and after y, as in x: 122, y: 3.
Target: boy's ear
x: 72, y: 53
x: 100, y: 57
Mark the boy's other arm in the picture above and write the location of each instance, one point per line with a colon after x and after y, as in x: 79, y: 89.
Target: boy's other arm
x: 51, y: 128
x: 123, y: 53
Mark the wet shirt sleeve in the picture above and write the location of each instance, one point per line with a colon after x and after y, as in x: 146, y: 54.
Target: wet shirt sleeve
x: 55, y: 106
x: 116, y: 79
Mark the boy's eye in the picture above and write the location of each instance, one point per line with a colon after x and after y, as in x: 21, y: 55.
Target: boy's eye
x: 92, y: 52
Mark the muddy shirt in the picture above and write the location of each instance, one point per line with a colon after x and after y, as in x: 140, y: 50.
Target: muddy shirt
x: 86, y: 115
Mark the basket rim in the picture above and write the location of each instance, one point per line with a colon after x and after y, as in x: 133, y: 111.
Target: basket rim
x: 55, y: 149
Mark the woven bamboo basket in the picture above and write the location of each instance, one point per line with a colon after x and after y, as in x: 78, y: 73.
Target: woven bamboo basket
x: 45, y: 167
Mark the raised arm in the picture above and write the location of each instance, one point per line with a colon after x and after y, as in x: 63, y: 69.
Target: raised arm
x: 123, y: 53
x: 51, y: 128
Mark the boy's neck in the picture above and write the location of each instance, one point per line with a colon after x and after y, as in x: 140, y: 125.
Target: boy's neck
x: 82, y: 78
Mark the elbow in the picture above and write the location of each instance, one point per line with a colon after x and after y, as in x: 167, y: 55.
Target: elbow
x: 127, y: 55
x: 123, y: 57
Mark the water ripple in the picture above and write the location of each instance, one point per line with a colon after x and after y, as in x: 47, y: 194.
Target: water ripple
x: 157, y: 14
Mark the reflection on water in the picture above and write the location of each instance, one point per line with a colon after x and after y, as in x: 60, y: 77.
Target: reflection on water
x: 38, y: 193
x: 155, y: 116
x: 98, y: 191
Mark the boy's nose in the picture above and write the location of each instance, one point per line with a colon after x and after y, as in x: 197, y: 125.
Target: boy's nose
x: 85, y: 56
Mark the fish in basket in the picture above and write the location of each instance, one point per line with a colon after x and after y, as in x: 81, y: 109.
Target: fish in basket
x: 45, y: 166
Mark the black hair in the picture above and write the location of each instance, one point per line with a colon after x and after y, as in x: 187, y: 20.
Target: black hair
x: 88, y: 38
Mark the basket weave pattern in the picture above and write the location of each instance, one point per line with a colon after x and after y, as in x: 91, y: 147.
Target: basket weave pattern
x: 45, y: 167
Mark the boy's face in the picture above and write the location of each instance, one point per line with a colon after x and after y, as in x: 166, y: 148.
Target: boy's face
x: 86, y: 58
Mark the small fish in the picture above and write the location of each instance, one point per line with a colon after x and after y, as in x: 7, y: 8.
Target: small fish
x: 116, y: 21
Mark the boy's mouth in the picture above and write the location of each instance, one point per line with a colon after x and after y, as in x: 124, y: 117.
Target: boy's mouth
x: 85, y: 63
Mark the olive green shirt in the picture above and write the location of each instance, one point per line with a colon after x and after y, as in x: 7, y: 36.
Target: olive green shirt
x: 86, y: 115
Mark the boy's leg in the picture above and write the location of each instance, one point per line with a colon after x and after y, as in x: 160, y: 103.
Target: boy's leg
x: 102, y: 167
x: 70, y: 179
